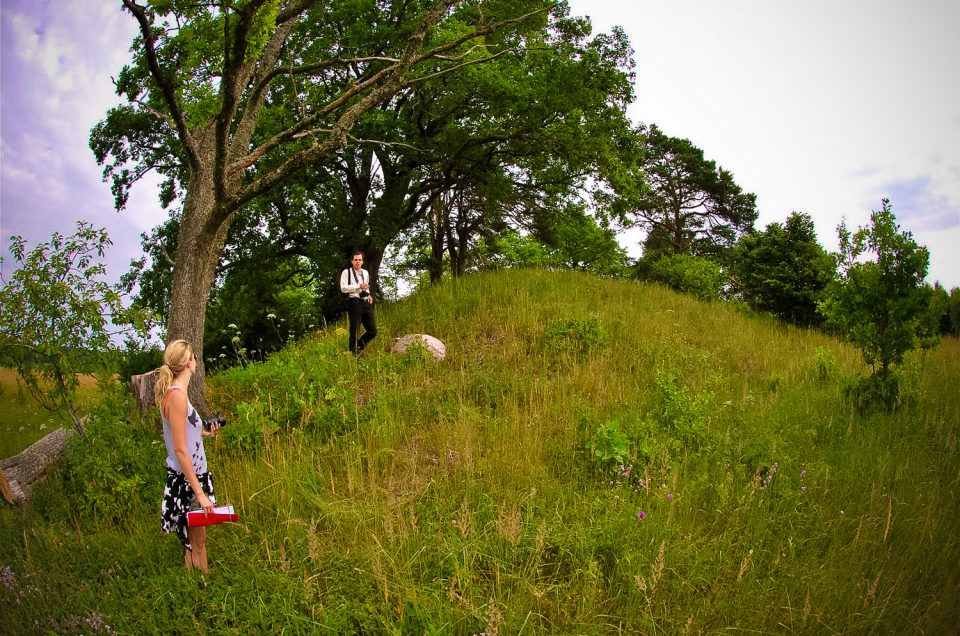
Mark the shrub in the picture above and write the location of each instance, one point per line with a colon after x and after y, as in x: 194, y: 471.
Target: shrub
x: 608, y: 444
x: 890, y: 392
x: 692, y: 275
x: 249, y: 429
x: 117, y: 467
x: 679, y: 411
x: 576, y: 337
x: 826, y: 364
x: 137, y: 358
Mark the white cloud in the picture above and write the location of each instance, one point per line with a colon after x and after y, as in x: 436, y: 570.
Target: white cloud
x: 58, y: 88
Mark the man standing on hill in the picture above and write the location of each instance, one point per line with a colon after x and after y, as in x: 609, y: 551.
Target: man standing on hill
x: 355, y: 284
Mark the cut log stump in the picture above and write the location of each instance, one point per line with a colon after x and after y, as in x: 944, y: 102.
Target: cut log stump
x: 142, y: 388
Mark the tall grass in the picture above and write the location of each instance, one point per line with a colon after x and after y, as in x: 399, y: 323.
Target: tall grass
x: 23, y: 421
x: 395, y: 494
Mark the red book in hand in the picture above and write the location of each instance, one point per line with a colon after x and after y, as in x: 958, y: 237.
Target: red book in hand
x: 220, y: 514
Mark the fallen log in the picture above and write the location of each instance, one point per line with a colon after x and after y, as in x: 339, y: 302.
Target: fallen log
x: 20, y: 473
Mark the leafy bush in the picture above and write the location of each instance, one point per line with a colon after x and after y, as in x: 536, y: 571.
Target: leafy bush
x: 692, y: 275
x: 118, y: 466
x: 890, y: 392
x: 826, y: 364
x: 608, y: 444
x: 248, y: 429
x: 137, y: 358
x: 576, y: 337
x: 679, y: 411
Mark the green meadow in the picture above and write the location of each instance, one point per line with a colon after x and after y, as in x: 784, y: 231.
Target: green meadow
x: 23, y: 421
x: 593, y: 456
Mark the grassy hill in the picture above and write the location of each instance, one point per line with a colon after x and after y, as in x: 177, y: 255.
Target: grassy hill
x: 593, y: 457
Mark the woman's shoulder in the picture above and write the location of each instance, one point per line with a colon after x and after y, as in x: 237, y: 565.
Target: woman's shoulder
x: 175, y: 396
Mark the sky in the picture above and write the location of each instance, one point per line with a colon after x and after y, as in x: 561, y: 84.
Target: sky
x: 817, y: 106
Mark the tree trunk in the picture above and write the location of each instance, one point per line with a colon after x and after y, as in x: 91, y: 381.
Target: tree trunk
x: 438, y: 214
x: 202, y: 239
x: 20, y: 473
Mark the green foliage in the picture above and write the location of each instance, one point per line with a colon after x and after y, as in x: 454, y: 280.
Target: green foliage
x: 694, y: 275
x: 57, y: 315
x: 262, y: 26
x: 249, y: 427
x: 517, y: 250
x: 575, y: 336
x: 257, y: 312
x: 113, y: 474
x: 462, y: 497
x: 946, y: 306
x: 955, y: 311
x: 680, y: 411
x: 299, y: 388
x: 583, y: 244
x: 889, y: 391
x: 608, y: 444
x: 783, y: 270
x: 882, y: 306
x: 686, y: 203
x: 137, y: 358
x: 826, y: 363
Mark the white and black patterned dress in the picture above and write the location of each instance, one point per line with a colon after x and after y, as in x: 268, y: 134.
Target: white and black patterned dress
x: 178, y: 497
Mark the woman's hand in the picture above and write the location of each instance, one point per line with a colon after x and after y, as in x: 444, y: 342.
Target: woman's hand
x: 212, y: 431
x: 205, y: 503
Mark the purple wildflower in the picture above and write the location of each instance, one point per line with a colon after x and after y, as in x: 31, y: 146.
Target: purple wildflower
x: 7, y: 577
x: 641, y: 515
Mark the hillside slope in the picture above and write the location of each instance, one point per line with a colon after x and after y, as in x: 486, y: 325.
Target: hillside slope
x: 593, y: 456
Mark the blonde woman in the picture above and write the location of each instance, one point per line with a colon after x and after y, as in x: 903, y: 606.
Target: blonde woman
x: 189, y: 483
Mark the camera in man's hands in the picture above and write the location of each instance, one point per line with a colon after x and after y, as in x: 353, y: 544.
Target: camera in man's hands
x: 215, y: 419
x: 364, y: 293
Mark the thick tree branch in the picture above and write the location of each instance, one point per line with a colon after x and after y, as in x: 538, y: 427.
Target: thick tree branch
x: 383, y: 84
x: 261, y: 80
x: 457, y: 67
x: 166, y: 87
x: 236, y: 69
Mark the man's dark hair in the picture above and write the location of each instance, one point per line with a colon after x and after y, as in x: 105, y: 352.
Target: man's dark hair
x: 355, y: 252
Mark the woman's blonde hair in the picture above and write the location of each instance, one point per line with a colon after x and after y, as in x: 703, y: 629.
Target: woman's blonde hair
x: 175, y: 359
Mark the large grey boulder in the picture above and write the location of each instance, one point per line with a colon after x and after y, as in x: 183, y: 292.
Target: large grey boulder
x: 434, y: 346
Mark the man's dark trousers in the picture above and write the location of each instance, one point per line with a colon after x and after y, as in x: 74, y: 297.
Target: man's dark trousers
x: 361, y: 312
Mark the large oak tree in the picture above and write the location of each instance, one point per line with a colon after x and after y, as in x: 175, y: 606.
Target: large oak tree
x: 208, y: 91
x: 519, y: 133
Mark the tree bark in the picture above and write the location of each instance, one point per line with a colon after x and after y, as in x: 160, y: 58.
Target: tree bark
x: 203, y: 235
x: 20, y: 473
x: 142, y: 388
